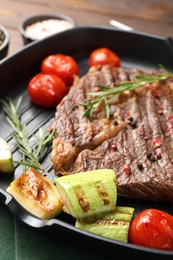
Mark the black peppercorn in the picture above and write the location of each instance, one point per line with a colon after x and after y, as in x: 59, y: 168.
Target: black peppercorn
x: 130, y: 119
x: 140, y: 166
x: 115, y: 122
x: 149, y: 155
x: 152, y: 158
x: 133, y: 124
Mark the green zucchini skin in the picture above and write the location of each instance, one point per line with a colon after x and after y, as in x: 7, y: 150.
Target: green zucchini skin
x: 6, y: 158
x: 88, y: 193
x: 114, y: 225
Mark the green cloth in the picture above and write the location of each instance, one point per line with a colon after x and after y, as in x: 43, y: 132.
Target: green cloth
x: 21, y: 242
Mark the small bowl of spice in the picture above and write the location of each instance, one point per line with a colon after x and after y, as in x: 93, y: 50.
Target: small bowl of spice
x: 41, y: 26
x: 4, y: 42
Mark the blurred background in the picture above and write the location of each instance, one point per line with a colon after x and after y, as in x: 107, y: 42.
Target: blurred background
x: 152, y: 16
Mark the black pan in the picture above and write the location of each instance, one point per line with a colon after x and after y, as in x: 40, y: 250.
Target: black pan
x: 135, y: 49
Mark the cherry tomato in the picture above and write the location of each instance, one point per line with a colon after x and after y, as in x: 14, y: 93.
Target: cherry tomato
x: 46, y: 90
x: 152, y: 228
x: 61, y: 65
x: 103, y: 56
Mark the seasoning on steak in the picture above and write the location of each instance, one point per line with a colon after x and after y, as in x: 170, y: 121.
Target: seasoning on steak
x: 74, y: 132
x: 136, y: 142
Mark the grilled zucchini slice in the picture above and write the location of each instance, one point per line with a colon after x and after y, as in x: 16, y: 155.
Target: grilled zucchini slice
x: 88, y: 193
x: 36, y: 194
x: 114, y: 225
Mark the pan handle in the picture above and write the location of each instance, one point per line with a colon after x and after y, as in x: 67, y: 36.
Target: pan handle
x: 120, y: 25
x: 5, y: 195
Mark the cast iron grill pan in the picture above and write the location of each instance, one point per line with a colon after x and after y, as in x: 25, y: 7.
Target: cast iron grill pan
x: 136, y: 50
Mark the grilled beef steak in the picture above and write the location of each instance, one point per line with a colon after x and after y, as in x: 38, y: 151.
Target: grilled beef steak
x: 136, y: 141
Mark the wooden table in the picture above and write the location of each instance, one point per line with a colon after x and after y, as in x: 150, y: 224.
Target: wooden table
x: 148, y: 16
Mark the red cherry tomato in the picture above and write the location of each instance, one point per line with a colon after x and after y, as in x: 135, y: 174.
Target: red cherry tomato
x: 103, y: 56
x: 61, y: 65
x: 46, y: 90
x: 152, y: 228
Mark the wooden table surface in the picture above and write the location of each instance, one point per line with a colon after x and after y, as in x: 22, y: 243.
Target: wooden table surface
x: 152, y: 16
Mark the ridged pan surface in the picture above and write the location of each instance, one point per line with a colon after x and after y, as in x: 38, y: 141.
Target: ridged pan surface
x: 136, y: 50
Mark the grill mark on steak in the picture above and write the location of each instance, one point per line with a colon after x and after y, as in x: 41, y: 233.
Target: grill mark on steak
x: 144, y: 169
x: 155, y: 180
x: 156, y: 127
x: 75, y: 133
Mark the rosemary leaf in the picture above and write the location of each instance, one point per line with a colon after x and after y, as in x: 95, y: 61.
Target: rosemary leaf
x: 110, y: 94
x: 102, y: 87
x: 88, y: 111
x: 31, y: 156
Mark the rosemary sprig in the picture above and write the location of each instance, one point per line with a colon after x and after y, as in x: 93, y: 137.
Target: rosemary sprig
x: 31, y: 157
x: 109, y: 94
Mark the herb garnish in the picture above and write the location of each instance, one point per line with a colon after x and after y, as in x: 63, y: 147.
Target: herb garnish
x: 110, y: 94
x: 31, y: 157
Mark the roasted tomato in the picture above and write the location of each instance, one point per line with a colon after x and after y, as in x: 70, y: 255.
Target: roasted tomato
x: 46, y: 90
x: 103, y: 56
x: 61, y: 65
x: 152, y: 228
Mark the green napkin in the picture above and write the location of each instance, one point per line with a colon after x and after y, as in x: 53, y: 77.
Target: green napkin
x: 7, y: 235
x: 20, y: 242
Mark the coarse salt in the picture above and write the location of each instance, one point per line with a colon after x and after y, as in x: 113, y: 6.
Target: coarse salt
x: 43, y: 29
